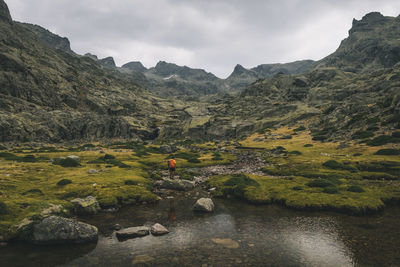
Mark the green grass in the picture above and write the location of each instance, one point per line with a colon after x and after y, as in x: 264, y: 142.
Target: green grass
x: 294, y: 193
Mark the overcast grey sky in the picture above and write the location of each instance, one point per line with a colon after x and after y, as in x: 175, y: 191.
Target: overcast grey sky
x: 211, y: 34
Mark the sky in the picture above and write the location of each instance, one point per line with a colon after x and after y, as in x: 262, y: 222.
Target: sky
x: 214, y: 35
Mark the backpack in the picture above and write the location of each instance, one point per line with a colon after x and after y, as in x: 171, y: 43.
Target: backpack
x: 171, y: 163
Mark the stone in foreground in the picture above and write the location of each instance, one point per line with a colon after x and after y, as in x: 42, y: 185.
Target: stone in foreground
x: 59, y: 230
x: 180, y: 185
x: 204, y: 204
x: 85, y: 206
x: 132, y: 232
x: 226, y: 242
x: 157, y: 229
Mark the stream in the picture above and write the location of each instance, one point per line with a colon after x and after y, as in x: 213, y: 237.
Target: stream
x: 236, y: 234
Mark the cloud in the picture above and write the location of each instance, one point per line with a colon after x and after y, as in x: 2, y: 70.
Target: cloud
x: 211, y: 34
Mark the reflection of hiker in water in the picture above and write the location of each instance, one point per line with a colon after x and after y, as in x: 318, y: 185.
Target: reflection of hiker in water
x: 171, y: 211
x: 171, y: 167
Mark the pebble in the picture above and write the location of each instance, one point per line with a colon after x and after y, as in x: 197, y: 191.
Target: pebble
x: 142, y: 259
x: 116, y: 227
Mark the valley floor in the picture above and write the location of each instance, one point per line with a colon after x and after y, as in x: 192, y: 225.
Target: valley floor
x: 283, y: 166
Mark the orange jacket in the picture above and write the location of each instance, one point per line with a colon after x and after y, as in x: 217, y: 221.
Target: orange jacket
x: 171, y: 163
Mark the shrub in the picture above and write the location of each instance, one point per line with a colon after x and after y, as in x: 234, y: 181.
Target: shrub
x: 308, y: 145
x: 107, y: 156
x: 383, y: 140
x: 333, y: 164
x: 33, y: 191
x: 29, y: 158
x: 330, y: 190
x: 194, y: 160
x: 280, y: 148
x: 295, y: 152
x: 357, y: 154
x: 187, y: 175
x: 320, y: 138
x: 238, y: 183
x: 297, y: 188
x: 109, y: 159
x: 299, y: 129
x: 362, y: 135
x: 67, y: 162
x: 356, y: 189
x: 217, y: 156
x: 373, y: 128
x: 388, y: 152
x: 155, y: 176
x: 3, y: 208
x: 130, y: 182
x: 320, y: 183
x: 63, y: 182
x: 380, y: 176
x: 396, y: 134
x: 9, y: 156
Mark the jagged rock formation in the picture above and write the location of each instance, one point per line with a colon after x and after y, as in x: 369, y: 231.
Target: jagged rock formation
x: 5, y: 15
x: 135, y: 65
x: 242, y: 77
x: 108, y: 62
x: 48, y: 38
x: 372, y: 43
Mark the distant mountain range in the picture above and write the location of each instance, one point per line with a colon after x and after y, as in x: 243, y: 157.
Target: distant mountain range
x: 50, y: 94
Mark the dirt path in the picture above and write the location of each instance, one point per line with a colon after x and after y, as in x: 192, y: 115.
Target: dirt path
x: 247, y: 162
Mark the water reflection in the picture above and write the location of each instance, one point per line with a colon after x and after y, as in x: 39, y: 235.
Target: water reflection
x: 237, y: 234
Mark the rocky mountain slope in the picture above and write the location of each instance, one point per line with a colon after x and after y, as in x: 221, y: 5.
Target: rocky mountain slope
x: 355, y: 90
x: 50, y: 94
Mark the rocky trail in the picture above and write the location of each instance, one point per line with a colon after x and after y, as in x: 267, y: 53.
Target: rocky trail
x: 246, y: 163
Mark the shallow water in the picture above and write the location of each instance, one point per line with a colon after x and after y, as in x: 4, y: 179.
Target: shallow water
x: 236, y: 234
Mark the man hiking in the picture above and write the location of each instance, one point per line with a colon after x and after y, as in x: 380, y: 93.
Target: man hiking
x: 171, y: 167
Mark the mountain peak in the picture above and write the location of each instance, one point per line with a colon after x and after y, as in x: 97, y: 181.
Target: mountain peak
x: 368, y: 22
x: 135, y: 65
x: 239, y: 69
x: 108, y: 62
x: 5, y: 12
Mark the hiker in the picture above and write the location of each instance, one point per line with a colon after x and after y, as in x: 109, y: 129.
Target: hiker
x: 171, y: 167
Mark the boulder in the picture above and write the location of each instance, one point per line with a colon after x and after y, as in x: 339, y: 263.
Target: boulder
x: 76, y: 158
x: 168, y: 149
x: 93, y: 171
x: 61, y: 230
x: 87, y: 205
x: 157, y: 229
x: 132, y: 232
x: 204, y: 204
x: 180, y: 185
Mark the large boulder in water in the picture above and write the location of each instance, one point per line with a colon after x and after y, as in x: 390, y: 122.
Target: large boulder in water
x: 132, y: 232
x: 85, y: 206
x: 157, y: 229
x: 59, y: 230
x: 204, y: 204
x: 180, y: 185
